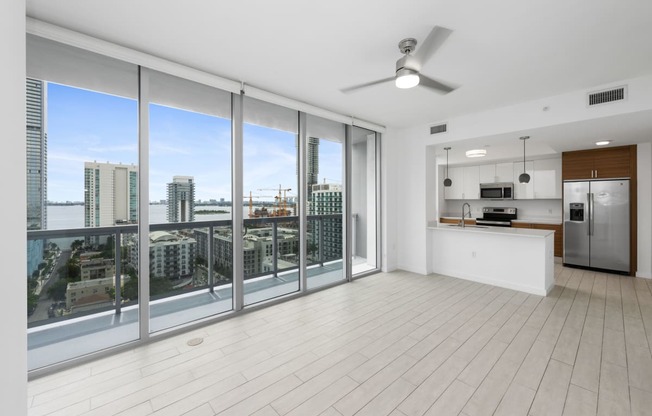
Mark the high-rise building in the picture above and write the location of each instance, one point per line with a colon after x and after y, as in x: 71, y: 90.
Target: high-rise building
x: 110, y: 194
x: 327, y: 237
x: 181, y: 199
x: 312, y: 164
x: 258, y: 248
x: 36, y: 101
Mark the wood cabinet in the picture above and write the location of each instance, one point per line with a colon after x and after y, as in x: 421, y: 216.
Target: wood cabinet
x: 467, y: 221
x: 611, y: 162
x: 557, y: 228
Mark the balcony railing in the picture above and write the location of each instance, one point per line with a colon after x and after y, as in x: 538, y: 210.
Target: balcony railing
x: 114, y: 321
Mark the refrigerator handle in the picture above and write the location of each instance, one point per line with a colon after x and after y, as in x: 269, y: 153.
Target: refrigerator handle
x: 591, y: 214
x: 588, y: 211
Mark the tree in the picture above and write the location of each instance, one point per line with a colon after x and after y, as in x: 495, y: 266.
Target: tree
x: 57, y: 291
x: 32, y: 302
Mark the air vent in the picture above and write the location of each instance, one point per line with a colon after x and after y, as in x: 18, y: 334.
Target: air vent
x: 607, y: 96
x: 438, y: 129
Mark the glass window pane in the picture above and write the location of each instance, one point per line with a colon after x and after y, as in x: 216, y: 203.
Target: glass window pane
x: 82, y: 173
x: 324, y: 173
x: 270, y: 181
x: 363, y: 200
x: 190, y: 194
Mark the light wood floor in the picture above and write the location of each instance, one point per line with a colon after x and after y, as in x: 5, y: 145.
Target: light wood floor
x: 395, y: 344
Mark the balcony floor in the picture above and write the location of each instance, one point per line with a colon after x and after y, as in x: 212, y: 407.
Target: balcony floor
x: 54, y: 343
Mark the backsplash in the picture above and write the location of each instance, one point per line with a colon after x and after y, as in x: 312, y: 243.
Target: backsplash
x: 538, y: 208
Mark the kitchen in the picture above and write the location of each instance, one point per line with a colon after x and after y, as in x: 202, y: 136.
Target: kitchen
x: 585, y: 199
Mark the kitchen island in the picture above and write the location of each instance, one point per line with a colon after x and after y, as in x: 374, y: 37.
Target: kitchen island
x: 515, y: 258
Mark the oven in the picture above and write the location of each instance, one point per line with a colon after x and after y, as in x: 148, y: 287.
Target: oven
x: 497, y: 216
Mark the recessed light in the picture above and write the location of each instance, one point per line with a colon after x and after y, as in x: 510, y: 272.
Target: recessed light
x: 476, y: 153
x: 603, y: 142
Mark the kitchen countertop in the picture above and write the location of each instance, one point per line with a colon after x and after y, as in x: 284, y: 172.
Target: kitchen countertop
x: 510, y: 231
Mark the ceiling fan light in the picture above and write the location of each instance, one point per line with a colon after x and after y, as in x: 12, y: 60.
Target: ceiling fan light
x: 407, y: 78
x: 476, y: 153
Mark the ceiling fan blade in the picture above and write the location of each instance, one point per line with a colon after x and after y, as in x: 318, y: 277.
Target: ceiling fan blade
x: 440, y: 87
x: 367, y: 84
x: 429, y: 46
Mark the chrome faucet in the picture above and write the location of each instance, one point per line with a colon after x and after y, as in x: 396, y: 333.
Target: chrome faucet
x: 466, y: 204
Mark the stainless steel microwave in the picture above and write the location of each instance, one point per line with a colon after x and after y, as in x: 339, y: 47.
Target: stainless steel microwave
x: 497, y: 191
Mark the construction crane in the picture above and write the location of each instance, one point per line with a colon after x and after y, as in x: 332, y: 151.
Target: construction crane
x: 257, y: 213
x: 282, y: 210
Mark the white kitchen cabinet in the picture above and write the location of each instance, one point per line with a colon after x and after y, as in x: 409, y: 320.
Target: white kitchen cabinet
x: 456, y: 190
x: 498, y: 172
x: 523, y: 190
x: 505, y: 172
x: 547, y: 179
x: 471, y: 189
x: 487, y: 173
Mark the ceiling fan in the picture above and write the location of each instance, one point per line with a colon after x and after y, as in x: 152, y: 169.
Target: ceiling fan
x: 409, y: 66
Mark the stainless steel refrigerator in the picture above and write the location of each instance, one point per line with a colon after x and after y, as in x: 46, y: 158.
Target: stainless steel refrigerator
x: 596, y: 224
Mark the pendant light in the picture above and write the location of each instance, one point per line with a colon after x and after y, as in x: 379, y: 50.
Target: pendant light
x: 447, y: 181
x: 524, y: 177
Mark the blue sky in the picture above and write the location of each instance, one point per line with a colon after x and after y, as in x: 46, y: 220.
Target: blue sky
x: 85, y: 126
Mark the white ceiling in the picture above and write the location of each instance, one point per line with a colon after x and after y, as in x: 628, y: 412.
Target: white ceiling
x: 500, y: 53
x: 546, y: 142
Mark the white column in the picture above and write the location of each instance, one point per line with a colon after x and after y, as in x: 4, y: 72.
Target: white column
x: 13, y: 394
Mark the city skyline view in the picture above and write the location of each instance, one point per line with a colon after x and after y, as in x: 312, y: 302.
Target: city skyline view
x: 86, y: 126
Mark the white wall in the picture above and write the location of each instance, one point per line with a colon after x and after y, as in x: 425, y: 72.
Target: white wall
x: 417, y: 202
x: 644, y: 195
x: 389, y: 155
x: 13, y: 256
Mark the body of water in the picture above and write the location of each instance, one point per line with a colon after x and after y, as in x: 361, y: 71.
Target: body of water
x: 72, y: 216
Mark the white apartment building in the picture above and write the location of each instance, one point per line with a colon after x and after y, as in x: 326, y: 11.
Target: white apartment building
x: 110, y: 194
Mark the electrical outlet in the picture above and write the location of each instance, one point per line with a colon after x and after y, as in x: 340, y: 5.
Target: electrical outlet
x: 549, y: 211
x: 473, y: 254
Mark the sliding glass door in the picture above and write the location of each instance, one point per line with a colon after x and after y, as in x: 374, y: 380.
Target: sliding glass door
x: 190, y: 207
x: 364, y: 200
x: 82, y: 174
x: 324, y: 158
x: 270, y: 182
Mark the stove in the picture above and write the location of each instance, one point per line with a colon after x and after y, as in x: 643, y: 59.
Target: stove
x: 497, y: 216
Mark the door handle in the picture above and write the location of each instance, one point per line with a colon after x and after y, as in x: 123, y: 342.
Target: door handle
x: 588, y: 210
x: 591, y: 214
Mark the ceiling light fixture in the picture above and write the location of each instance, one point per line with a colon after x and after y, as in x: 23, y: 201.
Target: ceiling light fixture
x: 524, y: 177
x: 603, y: 142
x: 447, y: 181
x: 407, y: 78
x: 476, y: 153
